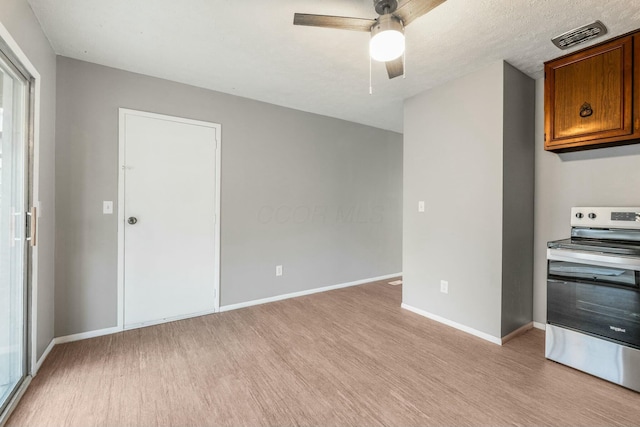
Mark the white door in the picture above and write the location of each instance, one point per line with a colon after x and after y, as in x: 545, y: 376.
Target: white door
x: 168, y: 217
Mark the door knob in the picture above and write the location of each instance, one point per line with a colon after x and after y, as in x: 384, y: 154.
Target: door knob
x: 132, y: 220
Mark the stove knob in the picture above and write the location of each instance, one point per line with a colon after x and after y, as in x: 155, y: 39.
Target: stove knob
x: 592, y: 215
x: 579, y: 215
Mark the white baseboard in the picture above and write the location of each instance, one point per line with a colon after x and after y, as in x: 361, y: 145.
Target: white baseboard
x: 307, y: 292
x: 116, y: 329
x: 47, y: 350
x: 538, y: 325
x: 453, y: 324
x: 86, y: 335
x: 168, y: 319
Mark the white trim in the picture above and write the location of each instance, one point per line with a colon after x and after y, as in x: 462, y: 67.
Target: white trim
x: 453, y: 324
x: 87, y: 335
x: 216, y: 258
x: 539, y: 325
x: 47, y: 350
x: 122, y: 112
x: 307, y: 292
x: 119, y: 328
x: 521, y: 330
x: 120, y: 267
x: 26, y: 63
x: 4, y: 417
x: 169, y: 319
x: 177, y: 119
x: 116, y: 329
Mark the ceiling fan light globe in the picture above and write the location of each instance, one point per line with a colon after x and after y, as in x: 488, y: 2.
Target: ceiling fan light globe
x: 386, y: 45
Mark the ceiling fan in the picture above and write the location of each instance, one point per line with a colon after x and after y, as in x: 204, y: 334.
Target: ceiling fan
x: 387, y: 31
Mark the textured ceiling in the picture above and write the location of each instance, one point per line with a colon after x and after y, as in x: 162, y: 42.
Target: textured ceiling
x: 250, y: 48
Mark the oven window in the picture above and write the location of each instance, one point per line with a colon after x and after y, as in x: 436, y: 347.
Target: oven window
x: 610, y: 312
x: 593, y: 273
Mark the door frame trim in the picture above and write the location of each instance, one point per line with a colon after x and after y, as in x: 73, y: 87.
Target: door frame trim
x: 122, y: 112
x: 32, y: 320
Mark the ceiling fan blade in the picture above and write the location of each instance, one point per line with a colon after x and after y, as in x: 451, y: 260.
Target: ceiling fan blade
x: 339, y: 22
x: 410, y: 10
x: 395, y: 68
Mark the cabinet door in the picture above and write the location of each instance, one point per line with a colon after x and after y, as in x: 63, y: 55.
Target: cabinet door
x: 589, y: 96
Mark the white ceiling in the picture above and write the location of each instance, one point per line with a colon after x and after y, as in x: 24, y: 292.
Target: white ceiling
x: 250, y: 48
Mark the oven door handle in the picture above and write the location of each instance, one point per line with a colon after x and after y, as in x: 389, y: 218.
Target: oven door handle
x: 592, y: 258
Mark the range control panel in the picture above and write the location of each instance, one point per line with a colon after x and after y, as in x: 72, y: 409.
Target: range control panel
x: 605, y: 217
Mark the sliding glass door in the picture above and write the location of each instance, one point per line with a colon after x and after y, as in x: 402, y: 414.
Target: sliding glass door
x: 14, y: 177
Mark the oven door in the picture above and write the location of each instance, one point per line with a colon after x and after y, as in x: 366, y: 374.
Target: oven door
x: 595, y: 293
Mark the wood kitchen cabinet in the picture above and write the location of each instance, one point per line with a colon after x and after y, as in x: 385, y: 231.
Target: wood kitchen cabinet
x: 592, y: 97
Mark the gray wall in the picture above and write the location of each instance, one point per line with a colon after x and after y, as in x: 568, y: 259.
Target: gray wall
x: 601, y: 177
x: 19, y: 20
x: 318, y: 195
x: 453, y: 161
x: 518, y: 193
x: 468, y: 152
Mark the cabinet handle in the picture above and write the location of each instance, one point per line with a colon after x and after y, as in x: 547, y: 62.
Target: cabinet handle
x: 586, y: 110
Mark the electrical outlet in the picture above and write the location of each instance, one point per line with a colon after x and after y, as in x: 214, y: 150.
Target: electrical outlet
x: 278, y: 270
x: 420, y: 206
x: 444, y: 286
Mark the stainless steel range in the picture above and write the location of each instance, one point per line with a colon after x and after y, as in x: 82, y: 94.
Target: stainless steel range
x: 593, y: 295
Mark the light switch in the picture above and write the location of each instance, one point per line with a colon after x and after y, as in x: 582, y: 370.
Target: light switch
x: 107, y: 207
x: 420, y: 206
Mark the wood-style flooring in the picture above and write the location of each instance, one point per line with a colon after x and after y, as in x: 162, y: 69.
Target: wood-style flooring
x: 345, y: 357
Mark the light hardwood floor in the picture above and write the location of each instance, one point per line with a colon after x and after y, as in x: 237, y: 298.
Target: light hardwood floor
x: 345, y: 357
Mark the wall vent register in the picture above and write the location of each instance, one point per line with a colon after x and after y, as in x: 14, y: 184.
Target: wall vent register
x: 579, y: 35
